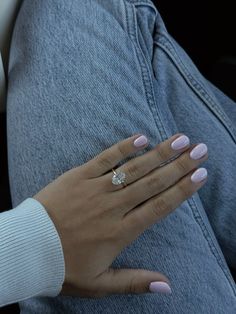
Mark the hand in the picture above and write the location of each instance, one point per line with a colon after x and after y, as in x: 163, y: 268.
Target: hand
x: 96, y: 220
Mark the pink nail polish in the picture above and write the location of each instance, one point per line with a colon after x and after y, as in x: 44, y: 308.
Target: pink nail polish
x: 140, y: 141
x: 199, y: 175
x: 181, y: 142
x: 198, y: 151
x: 159, y: 286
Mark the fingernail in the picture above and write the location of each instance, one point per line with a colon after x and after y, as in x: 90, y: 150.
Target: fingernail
x: 199, y: 175
x: 199, y: 151
x: 140, y: 141
x: 180, y: 142
x: 159, y: 286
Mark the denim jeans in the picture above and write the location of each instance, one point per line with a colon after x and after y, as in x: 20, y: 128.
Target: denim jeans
x: 83, y: 75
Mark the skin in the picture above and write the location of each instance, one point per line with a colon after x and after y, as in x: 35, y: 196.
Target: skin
x: 96, y: 220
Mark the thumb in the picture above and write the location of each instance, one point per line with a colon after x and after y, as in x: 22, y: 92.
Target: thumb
x: 136, y: 281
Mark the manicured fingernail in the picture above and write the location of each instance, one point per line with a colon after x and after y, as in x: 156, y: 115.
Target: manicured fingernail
x: 159, y: 286
x: 180, y: 142
x: 199, y: 175
x: 199, y: 151
x: 140, y: 141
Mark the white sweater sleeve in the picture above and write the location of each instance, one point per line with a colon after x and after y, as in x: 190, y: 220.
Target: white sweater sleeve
x: 31, y: 255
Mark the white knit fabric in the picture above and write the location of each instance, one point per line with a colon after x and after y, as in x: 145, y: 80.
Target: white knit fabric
x: 31, y: 255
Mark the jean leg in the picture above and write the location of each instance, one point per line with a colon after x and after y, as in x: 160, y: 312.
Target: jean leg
x: 80, y: 80
x: 206, y: 114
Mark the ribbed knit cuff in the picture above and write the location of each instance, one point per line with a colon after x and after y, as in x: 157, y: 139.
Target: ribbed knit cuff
x: 31, y: 254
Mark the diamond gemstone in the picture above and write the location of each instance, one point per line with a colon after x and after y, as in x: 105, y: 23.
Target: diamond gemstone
x: 118, y: 178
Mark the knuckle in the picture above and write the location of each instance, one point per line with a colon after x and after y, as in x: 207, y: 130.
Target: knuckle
x: 181, y: 165
x: 131, y: 287
x: 104, y: 162
x: 133, y: 171
x: 159, y: 207
x: 155, y: 182
x: 162, y: 154
x: 184, y: 189
x: 121, y: 150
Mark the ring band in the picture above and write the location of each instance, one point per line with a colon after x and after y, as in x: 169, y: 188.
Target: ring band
x: 119, y: 178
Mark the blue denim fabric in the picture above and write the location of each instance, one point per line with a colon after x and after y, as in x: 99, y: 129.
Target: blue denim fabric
x: 83, y: 75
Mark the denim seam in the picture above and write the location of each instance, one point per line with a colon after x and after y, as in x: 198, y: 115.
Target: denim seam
x: 191, y: 202
x: 147, y: 83
x: 167, y: 46
x: 145, y: 3
x: 195, y: 211
x: 140, y: 2
x: 197, y: 214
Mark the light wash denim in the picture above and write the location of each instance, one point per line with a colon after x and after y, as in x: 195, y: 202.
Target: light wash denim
x: 86, y: 74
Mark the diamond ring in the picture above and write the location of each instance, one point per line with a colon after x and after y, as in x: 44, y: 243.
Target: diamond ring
x: 118, y: 178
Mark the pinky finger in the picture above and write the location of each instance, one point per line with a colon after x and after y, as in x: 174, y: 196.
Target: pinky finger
x: 142, y: 217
